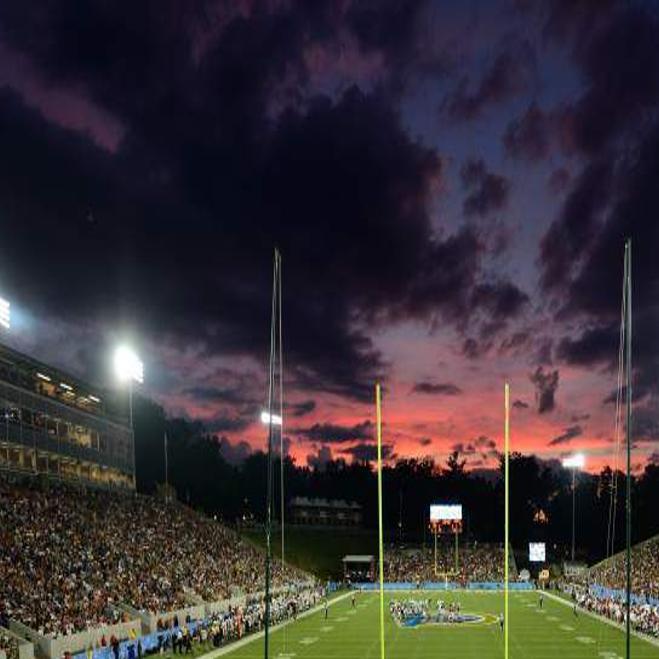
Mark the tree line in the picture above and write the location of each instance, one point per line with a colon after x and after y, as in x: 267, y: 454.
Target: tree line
x: 540, y: 493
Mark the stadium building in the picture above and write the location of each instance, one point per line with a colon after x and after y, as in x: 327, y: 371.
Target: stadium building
x: 54, y: 424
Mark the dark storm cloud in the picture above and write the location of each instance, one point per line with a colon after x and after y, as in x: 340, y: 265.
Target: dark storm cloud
x: 510, y: 73
x: 474, y: 349
x: 546, y: 384
x: 226, y: 423
x: 487, y: 192
x: 520, y: 405
x: 529, y: 135
x: 615, y: 127
x: 559, y: 180
x: 515, y: 342
x: 464, y: 449
x: 213, y: 394
x: 335, y: 434
x: 502, y: 299
x: 302, y: 408
x: 436, y: 388
x: 483, y: 442
x: 594, y: 345
x: 224, y: 139
x: 368, y: 452
x: 567, y: 436
x: 425, y: 441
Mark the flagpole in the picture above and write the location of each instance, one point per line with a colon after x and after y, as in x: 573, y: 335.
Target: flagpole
x: 378, y: 408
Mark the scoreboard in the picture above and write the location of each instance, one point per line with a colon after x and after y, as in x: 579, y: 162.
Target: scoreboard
x: 446, y: 518
x: 537, y: 552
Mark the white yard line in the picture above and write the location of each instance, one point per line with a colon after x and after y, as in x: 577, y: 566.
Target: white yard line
x: 601, y: 618
x: 254, y: 637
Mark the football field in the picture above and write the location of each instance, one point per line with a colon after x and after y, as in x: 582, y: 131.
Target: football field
x: 552, y: 632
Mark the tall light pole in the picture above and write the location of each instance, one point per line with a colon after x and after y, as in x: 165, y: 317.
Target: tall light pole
x: 574, y: 462
x: 129, y: 368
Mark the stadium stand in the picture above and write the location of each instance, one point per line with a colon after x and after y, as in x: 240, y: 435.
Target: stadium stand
x: 477, y: 563
x: 645, y: 570
x: 603, y: 592
x: 70, y: 556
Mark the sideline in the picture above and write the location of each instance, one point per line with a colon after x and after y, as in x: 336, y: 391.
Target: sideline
x: 218, y: 652
x: 601, y: 618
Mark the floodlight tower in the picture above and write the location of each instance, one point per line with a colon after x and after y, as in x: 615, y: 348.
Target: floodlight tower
x: 574, y: 462
x: 129, y: 368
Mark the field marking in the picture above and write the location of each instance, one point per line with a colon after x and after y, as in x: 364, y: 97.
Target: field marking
x: 342, y: 619
x: 586, y: 640
x: 327, y: 628
x: 566, y: 628
x: 308, y: 640
x: 254, y: 637
x: 597, y: 616
x: 552, y: 619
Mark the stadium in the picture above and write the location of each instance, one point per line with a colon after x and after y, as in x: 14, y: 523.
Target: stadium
x: 328, y: 329
x: 93, y: 569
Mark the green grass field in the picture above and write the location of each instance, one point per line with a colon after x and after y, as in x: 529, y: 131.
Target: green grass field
x: 553, y: 633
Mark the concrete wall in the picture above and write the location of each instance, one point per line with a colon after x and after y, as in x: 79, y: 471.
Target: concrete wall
x: 56, y: 647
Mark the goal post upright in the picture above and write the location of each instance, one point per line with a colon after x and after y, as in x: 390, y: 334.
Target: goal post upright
x: 378, y: 414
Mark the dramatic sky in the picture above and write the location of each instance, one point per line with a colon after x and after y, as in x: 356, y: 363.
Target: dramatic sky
x: 450, y: 184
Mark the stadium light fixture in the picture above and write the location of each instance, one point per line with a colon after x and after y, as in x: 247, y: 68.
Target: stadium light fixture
x: 275, y: 420
x: 5, y: 314
x: 128, y: 366
x: 43, y: 376
x: 574, y: 462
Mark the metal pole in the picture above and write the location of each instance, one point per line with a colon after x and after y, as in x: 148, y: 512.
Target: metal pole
x: 281, y: 403
x: 506, y: 451
x: 268, y: 516
x: 628, y: 337
x: 166, y: 471
x: 574, y: 480
x: 132, y: 430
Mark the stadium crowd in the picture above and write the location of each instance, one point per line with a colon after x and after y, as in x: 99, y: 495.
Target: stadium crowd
x: 476, y: 563
x: 644, y: 617
x: 645, y: 570
x: 68, y: 556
